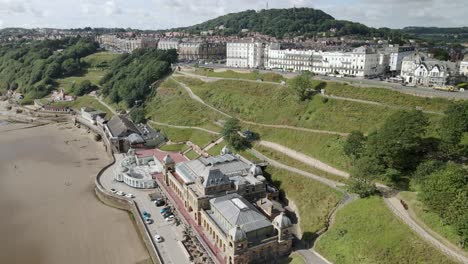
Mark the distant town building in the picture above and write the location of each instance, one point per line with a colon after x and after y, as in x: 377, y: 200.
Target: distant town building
x: 397, y: 53
x: 245, y: 54
x: 419, y: 69
x: 201, y: 50
x: 167, y: 44
x: 114, y: 42
x: 58, y: 96
x: 464, y: 66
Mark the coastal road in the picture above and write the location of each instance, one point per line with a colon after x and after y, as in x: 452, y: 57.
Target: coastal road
x: 170, y: 248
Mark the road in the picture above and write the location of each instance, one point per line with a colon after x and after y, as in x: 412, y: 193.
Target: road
x: 170, y: 248
x: 417, y: 91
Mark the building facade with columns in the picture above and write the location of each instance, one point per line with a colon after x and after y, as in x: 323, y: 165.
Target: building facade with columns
x: 245, y: 54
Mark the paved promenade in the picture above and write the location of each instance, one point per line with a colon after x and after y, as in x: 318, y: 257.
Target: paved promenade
x: 170, y: 248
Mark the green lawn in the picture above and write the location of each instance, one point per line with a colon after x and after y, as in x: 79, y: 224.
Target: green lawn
x: 365, y: 231
x: 428, y: 218
x: 85, y: 101
x: 174, y: 147
x: 387, y: 96
x: 282, y: 158
x: 192, y: 155
x: 102, y: 58
x: 172, y: 105
x: 198, y: 137
x: 269, y: 77
x: 216, y: 149
x: 93, y: 75
x: 313, y: 199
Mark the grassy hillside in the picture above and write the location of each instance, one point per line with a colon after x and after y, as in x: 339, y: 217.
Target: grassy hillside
x: 365, y: 231
x: 274, y: 104
x: 313, y: 199
x: 172, y: 105
x: 200, y: 138
x: 252, y: 75
x: 386, y: 96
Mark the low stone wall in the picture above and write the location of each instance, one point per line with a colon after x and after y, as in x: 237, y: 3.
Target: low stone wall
x: 129, y: 205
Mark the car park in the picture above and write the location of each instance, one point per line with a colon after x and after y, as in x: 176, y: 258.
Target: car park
x: 159, y: 203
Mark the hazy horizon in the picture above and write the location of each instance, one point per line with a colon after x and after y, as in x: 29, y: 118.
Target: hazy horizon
x: 164, y: 14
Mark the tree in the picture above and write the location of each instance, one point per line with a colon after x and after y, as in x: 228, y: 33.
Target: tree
x: 138, y: 115
x: 454, y: 123
x: 84, y: 87
x: 425, y: 169
x: 398, y: 143
x: 302, y: 86
x: 230, y: 133
x: 446, y: 193
x: 354, y: 145
x: 361, y: 186
x: 70, y: 66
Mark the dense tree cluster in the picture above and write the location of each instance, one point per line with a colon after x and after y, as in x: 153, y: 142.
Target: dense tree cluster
x: 31, y: 67
x: 131, y: 75
x: 291, y: 22
x: 400, y: 151
x: 231, y: 134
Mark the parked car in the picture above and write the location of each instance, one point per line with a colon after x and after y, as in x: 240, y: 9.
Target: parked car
x: 167, y: 214
x: 120, y: 193
x: 158, y: 238
x: 113, y: 190
x: 159, y: 203
x: 146, y: 214
x: 165, y: 209
x: 148, y: 221
x: 129, y: 195
x: 168, y: 219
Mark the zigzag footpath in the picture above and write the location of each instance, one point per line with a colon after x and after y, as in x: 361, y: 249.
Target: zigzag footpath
x: 389, y: 194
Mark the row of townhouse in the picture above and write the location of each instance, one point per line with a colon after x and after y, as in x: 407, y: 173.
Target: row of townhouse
x: 194, y: 50
x: 360, y: 62
x: 113, y: 42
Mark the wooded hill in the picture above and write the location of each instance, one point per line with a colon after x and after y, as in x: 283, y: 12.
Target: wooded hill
x: 291, y: 22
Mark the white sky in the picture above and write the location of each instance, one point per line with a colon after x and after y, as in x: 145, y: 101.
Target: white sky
x: 161, y: 14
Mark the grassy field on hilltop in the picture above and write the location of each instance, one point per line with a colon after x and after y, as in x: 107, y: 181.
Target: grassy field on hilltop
x: 387, y: 96
x: 100, y: 59
x: 313, y: 199
x: 274, y: 104
x: 268, y: 77
x: 84, y: 101
x: 280, y: 157
x: 428, y: 218
x: 93, y: 75
x: 366, y: 232
x: 172, y: 105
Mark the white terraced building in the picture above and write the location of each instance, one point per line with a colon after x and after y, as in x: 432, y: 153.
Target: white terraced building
x: 361, y: 62
x: 245, y: 54
x: 421, y: 69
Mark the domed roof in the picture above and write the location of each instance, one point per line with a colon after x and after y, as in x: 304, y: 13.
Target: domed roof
x: 168, y: 159
x: 237, y: 234
x: 282, y: 221
x: 225, y: 150
x: 255, y: 170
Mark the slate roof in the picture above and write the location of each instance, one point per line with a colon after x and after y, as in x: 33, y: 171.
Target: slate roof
x: 120, y: 126
x: 228, y: 164
x: 236, y: 211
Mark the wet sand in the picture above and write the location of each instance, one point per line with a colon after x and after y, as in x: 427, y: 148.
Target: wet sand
x: 49, y: 212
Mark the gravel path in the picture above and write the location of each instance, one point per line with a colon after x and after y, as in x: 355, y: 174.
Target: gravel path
x: 185, y: 127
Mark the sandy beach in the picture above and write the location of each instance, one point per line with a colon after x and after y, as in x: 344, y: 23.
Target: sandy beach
x: 49, y: 212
